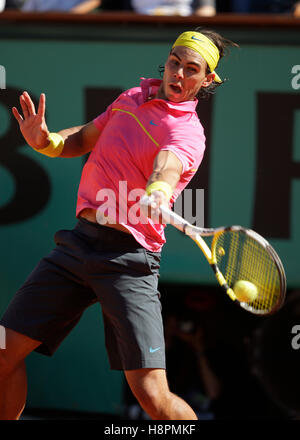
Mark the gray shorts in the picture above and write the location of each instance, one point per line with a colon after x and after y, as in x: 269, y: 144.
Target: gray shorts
x: 94, y: 263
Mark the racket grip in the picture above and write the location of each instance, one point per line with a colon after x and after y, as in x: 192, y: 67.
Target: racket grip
x: 170, y: 217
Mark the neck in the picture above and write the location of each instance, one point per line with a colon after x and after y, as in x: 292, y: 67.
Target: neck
x: 160, y: 93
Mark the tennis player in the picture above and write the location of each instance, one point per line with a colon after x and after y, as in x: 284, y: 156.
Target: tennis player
x: 150, y: 139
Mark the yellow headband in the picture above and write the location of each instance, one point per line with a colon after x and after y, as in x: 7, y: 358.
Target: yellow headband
x: 204, y: 46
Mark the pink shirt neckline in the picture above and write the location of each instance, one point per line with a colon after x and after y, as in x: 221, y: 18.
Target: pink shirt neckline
x: 150, y: 87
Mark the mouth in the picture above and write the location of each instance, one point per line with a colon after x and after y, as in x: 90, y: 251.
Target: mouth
x: 176, y: 88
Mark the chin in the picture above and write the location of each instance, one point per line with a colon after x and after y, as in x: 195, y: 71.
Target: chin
x: 174, y: 98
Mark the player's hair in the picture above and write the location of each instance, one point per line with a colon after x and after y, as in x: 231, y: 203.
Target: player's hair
x: 223, y: 45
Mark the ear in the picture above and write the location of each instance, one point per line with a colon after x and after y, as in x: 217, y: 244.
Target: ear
x: 208, y: 80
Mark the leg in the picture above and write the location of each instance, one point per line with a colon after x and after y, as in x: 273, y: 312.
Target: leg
x: 150, y: 387
x: 46, y: 307
x: 13, y: 382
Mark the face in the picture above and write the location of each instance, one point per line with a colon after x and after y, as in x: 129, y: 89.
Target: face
x: 184, y: 75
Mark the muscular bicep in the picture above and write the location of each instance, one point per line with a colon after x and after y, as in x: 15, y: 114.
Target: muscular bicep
x: 166, y: 167
x: 80, y: 140
x: 90, y: 135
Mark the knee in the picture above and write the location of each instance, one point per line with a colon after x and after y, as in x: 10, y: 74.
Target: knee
x: 8, y: 364
x: 5, y: 365
x: 8, y: 367
x: 17, y: 347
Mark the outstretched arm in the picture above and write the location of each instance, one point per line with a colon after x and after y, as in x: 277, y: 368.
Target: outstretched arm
x: 77, y: 140
x: 167, y: 169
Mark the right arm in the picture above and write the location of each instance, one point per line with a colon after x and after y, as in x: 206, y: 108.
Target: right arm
x: 78, y: 140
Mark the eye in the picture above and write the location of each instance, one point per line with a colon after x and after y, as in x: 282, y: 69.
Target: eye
x: 192, y: 69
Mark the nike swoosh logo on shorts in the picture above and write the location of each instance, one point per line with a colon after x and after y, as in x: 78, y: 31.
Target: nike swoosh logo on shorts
x: 153, y: 350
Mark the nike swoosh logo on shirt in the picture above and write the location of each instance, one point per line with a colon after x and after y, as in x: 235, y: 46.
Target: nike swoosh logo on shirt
x: 153, y: 350
x: 153, y: 123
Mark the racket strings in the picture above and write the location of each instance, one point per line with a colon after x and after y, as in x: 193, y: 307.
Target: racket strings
x: 240, y: 257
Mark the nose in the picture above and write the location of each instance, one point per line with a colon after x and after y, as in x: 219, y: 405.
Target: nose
x: 179, y: 73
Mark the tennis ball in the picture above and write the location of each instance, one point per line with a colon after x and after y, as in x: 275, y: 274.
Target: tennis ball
x: 221, y: 252
x: 245, y: 291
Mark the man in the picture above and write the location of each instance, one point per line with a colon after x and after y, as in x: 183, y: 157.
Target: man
x: 149, y: 137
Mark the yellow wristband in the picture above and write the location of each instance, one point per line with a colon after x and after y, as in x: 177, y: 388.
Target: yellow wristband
x: 159, y: 185
x: 55, y: 147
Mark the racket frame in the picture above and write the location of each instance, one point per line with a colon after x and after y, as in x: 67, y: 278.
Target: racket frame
x: 196, y: 234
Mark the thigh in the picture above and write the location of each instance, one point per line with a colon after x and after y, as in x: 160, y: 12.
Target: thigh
x: 50, y: 302
x: 127, y: 291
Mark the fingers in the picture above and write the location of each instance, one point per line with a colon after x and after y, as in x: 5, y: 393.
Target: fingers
x: 42, y: 105
x: 27, y: 104
x: 24, y: 106
x: 28, y: 107
x: 150, y: 206
x: 17, y: 115
x: 156, y: 199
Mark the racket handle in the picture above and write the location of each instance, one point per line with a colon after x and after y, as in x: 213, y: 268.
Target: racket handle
x: 169, y: 216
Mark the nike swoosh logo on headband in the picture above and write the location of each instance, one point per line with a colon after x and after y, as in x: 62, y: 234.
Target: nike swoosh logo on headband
x: 195, y: 38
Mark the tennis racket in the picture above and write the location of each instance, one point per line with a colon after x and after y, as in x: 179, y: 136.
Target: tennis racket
x: 239, y: 254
